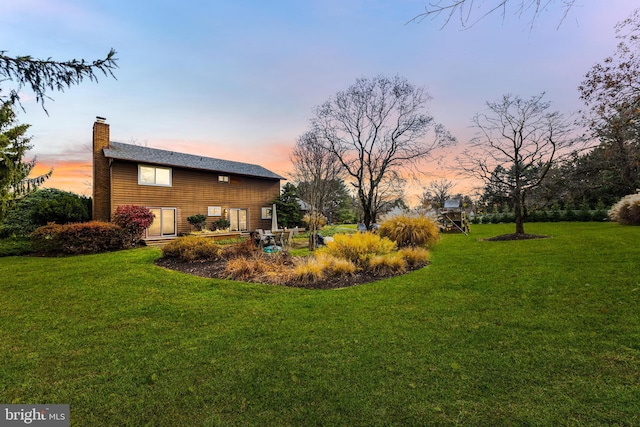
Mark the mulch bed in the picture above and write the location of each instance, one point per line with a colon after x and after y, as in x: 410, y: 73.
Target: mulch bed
x: 216, y: 270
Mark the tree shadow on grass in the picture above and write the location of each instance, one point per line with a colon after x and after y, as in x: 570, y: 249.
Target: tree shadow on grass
x: 515, y: 236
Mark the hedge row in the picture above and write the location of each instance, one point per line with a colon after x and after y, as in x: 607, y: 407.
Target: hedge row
x: 543, y: 216
x: 80, y: 238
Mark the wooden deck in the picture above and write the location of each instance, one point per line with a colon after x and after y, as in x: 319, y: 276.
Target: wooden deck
x: 161, y: 241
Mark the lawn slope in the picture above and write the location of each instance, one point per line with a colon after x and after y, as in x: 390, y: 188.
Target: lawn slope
x: 539, y: 332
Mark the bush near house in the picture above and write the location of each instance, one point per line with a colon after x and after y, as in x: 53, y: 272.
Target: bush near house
x: 198, y: 221
x: 134, y: 220
x: 80, y: 238
x: 627, y: 210
x: 220, y: 224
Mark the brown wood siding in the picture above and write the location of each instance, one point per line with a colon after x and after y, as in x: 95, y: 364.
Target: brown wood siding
x: 192, y: 192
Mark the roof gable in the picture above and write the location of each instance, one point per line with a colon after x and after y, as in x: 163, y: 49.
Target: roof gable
x: 135, y: 153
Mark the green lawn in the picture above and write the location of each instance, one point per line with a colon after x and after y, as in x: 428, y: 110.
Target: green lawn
x: 540, y: 332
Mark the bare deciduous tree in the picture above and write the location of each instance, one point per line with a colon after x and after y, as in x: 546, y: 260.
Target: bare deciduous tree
x: 472, y: 11
x: 436, y: 193
x: 319, y: 170
x: 521, y: 137
x: 378, y: 130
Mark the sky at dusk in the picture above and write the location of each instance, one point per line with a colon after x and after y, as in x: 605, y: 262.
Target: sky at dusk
x: 240, y: 80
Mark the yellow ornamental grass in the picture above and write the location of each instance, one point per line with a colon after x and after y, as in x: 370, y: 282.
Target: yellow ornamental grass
x: 411, y: 231
x: 414, y: 257
x: 308, y: 271
x: 335, y: 266
x: 358, y: 248
x: 382, y: 265
x: 315, y: 268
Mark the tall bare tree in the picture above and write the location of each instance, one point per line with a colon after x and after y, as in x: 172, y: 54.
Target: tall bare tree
x: 436, y: 193
x: 523, y: 138
x: 469, y: 12
x: 319, y: 170
x: 378, y: 130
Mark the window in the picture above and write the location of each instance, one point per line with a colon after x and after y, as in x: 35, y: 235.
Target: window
x: 266, y: 213
x: 152, y: 175
x: 214, y: 210
x: 164, y: 223
x: 223, y: 178
x: 238, y: 219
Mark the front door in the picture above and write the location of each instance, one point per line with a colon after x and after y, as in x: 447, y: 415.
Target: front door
x: 164, y: 222
x: 238, y: 219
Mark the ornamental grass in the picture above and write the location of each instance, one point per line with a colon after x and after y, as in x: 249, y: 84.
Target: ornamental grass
x: 410, y: 231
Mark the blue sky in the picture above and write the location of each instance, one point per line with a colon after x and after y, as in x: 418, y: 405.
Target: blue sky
x: 240, y: 79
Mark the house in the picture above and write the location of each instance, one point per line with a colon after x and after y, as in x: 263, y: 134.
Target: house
x: 177, y: 185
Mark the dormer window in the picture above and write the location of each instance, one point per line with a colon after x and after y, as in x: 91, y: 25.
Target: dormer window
x: 154, y: 175
x: 223, y: 178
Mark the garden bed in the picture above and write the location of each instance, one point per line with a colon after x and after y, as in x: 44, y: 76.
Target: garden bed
x: 216, y: 270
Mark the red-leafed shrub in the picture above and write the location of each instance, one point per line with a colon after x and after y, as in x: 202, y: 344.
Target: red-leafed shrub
x: 81, y: 238
x: 134, y: 220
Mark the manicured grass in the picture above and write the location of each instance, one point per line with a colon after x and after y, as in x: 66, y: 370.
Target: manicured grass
x: 539, y: 332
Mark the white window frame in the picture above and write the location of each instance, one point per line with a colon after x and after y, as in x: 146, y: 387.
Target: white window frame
x: 214, y: 210
x: 224, y: 178
x: 155, y: 176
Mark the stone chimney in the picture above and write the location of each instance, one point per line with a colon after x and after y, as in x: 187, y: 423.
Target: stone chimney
x: 101, y: 172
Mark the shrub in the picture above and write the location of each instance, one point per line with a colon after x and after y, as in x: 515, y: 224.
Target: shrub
x: 42, y: 207
x: 245, y: 248
x: 358, y: 248
x: 221, y: 224
x: 81, y: 238
x: 198, y: 221
x: 414, y: 257
x: 192, y: 248
x: 627, y: 210
x: 134, y: 220
x: 387, y: 264
x: 410, y: 231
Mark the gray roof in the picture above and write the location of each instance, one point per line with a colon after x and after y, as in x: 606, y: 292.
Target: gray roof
x: 135, y: 153
x: 452, y: 203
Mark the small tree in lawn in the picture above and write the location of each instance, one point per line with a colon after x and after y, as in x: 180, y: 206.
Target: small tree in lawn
x: 134, y: 220
x: 522, y: 138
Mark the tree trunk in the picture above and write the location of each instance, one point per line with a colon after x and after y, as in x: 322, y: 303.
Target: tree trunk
x: 519, y: 217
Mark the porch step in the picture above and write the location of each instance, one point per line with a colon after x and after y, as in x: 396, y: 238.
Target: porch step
x: 158, y: 243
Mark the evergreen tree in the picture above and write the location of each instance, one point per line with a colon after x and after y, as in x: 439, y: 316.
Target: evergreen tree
x: 43, y: 75
x: 288, y: 206
x: 14, y: 171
